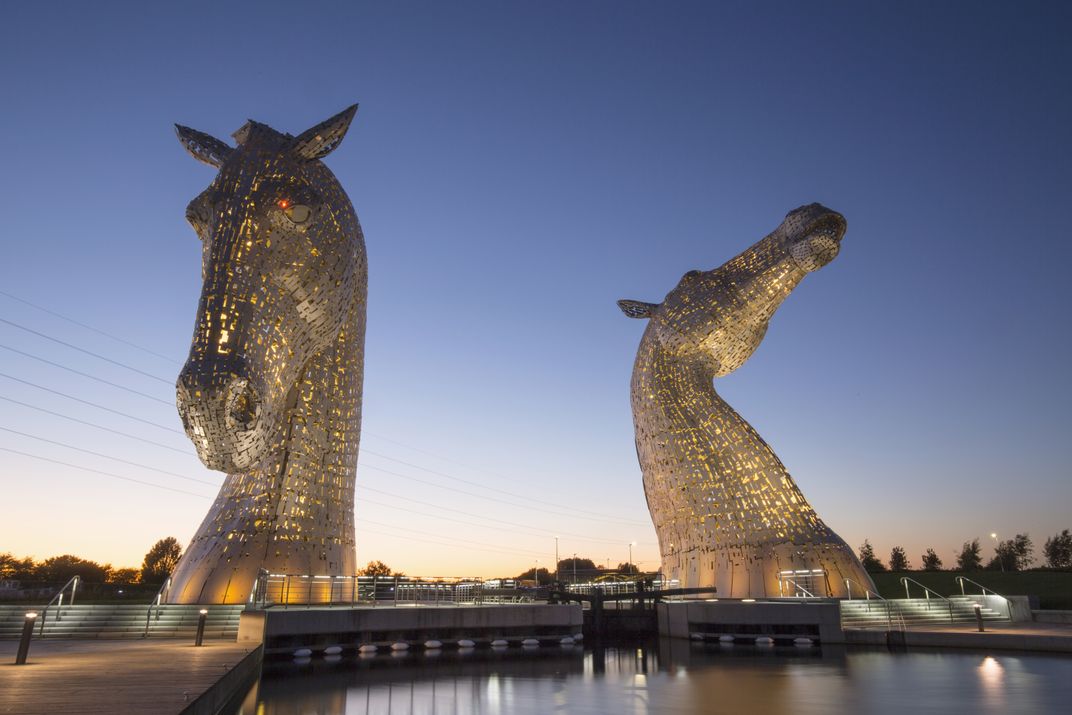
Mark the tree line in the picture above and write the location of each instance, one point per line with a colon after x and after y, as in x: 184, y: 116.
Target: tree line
x: 157, y: 565
x: 1015, y: 554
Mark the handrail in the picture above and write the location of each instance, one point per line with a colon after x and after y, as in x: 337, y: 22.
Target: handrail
x: 961, y: 579
x: 867, y: 592
x: 58, y: 600
x: 927, y: 592
x: 157, y: 601
x: 807, y: 593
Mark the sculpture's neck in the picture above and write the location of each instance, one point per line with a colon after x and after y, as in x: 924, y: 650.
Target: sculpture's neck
x: 692, y: 435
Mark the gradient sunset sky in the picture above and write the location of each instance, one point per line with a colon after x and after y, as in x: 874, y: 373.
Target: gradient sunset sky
x: 517, y: 167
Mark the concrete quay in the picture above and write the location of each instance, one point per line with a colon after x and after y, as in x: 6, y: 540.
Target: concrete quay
x: 125, y: 676
x: 1024, y: 636
x: 283, y: 630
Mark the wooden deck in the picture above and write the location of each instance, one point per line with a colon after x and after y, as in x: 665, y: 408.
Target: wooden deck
x: 117, y: 676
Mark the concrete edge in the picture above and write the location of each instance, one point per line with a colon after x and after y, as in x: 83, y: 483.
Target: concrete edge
x: 233, y: 683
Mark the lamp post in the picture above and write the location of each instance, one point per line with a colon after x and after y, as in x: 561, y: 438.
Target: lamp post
x: 631, y: 568
x: 536, y: 573
x: 1001, y: 557
x: 574, y: 568
x: 556, y: 559
x: 24, y: 641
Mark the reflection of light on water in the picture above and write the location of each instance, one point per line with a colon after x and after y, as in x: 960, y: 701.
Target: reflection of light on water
x: 992, y: 675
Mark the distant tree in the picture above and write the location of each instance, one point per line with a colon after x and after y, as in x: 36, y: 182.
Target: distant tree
x: 628, y: 568
x: 379, y: 568
x: 160, y: 560
x: 576, y: 567
x: 60, y: 569
x: 970, y: 558
x: 541, y: 576
x: 1014, y: 554
x: 871, y: 563
x: 124, y: 576
x: 15, y: 568
x: 931, y: 561
x: 1058, y: 551
x: 898, y: 559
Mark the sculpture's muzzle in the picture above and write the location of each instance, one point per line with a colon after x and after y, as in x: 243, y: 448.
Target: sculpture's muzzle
x: 221, y: 411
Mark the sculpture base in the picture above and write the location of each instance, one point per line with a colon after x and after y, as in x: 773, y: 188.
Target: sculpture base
x: 824, y: 570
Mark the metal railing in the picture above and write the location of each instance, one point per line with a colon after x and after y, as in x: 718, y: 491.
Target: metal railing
x: 57, y: 601
x: 156, y: 603
x: 927, y: 594
x: 288, y: 590
x: 867, y: 592
x: 799, y: 589
x: 985, y: 592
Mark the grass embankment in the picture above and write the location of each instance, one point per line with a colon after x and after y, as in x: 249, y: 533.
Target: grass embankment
x: 1054, y: 588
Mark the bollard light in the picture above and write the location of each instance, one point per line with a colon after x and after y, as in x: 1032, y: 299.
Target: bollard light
x: 201, y: 626
x: 24, y: 641
x: 979, y: 616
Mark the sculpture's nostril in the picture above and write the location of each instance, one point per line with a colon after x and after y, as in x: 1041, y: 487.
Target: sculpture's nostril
x: 243, y: 405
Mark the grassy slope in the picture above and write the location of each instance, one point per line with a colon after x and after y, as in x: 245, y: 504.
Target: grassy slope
x: 1054, y: 588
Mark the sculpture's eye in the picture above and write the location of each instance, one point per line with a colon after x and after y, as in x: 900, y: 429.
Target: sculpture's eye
x: 297, y: 213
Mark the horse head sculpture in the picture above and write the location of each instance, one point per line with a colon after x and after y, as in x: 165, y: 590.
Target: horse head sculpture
x: 726, y: 510
x: 271, y: 391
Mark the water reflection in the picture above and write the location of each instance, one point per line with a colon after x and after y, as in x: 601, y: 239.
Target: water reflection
x: 667, y: 677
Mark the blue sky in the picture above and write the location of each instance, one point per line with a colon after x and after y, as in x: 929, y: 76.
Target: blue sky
x: 517, y: 167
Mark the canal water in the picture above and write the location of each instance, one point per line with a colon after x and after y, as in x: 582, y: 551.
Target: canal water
x: 674, y: 677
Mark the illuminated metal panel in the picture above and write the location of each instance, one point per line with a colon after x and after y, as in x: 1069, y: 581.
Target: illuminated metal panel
x: 725, y: 509
x: 271, y: 392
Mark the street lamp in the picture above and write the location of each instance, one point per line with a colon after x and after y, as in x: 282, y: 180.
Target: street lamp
x: 1001, y: 557
x: 556, y: 558
x: 631, y: 568
x: 536, y: 573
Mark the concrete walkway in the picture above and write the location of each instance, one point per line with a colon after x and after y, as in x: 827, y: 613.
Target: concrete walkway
x: 112, y: 676
x: 1026, y: 636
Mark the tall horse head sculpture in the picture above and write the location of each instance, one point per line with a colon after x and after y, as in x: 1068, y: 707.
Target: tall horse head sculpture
x: 726, y: 510
x: 271, y: 391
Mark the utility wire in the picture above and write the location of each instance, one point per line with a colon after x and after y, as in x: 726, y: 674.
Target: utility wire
x: 98, y: 471
x: 87, y: 352
x: 100, y: 427
x: 169, y: 382
x: 85, y: 374
x: 107, y: 456
x: 478, y: 544
x: 88, y: 327
x: 590, y: 514
x: 87, y: 402
x: 479, y: 496
x: 513, y: 524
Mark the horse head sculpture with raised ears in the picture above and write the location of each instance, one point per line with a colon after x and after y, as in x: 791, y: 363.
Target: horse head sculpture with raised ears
x: 271, y: 391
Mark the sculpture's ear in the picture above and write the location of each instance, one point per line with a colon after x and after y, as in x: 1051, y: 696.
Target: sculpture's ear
x: 203, y: 147
x: 322, y: 139
x: 637, y: 309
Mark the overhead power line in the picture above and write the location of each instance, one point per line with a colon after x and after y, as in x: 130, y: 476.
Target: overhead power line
x: 96, y: 426
x: 590, y: 514
x: 85, y: 374
x: 107, y: 456
x: 101, y: 472
x: 91, y: 404
x: 87, y: 352
x: 80, y: 324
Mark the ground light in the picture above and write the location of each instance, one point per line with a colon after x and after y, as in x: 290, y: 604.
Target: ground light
x: 24, y: 641
x: 201, y: 626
